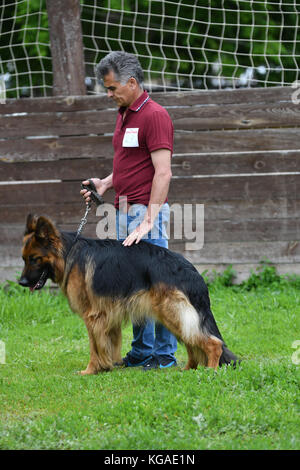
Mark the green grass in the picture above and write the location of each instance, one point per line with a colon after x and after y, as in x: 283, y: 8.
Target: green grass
x: 44, y: 404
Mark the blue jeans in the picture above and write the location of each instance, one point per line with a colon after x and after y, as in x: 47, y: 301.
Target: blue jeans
x: 151, y: 338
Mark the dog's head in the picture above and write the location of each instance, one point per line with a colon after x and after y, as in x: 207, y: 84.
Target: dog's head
x: 41, y: 252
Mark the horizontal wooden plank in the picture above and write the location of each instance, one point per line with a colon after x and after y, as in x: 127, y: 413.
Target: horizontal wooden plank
x: 201, y: 97
x: 189, y: 118
x: 237, y: 140
x: 227, y: 231
x: 216, y: 164
x: 65, y: 123
x: 214, y: 231
x: 251, y: 140
x: 219, y: 97
x: 247, y: 188
x: 220, y: 253
x: 65, y: 170
x: 56, y: 104
x: 243, y: 252
x: 236, y: 211
x: 55, y: 148
x: 189, y: 165
x: 43, y: 193
x: 234, y: 116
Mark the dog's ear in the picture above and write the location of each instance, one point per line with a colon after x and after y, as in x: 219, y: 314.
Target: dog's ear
x: 45, y: 231
x: 30, y: 224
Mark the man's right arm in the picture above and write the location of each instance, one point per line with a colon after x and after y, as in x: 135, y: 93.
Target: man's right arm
x: 102, y: 185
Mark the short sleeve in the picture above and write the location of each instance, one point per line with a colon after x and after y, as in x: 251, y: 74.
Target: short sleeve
x: 159, y: 131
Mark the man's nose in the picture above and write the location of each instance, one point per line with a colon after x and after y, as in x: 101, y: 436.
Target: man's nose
x: 109, y: 93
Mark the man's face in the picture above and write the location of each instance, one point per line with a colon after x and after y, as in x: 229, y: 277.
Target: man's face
x: 123, y: 95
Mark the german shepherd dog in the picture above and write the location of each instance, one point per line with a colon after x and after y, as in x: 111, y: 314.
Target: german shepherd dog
x: 107, y: 283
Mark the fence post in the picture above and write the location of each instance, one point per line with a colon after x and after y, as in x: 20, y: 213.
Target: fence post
x: 66, y: 47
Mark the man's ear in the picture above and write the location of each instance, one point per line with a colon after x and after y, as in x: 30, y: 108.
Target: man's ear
x: 133, y: 83
x: 30, y: 224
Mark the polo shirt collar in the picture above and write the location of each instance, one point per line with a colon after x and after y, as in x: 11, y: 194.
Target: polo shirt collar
x: 138, y: 104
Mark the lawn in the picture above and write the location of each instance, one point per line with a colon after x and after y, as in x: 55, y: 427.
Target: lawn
x: 44, y: 404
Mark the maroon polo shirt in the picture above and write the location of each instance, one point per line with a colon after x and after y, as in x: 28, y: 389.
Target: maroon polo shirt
x: 147, y: 127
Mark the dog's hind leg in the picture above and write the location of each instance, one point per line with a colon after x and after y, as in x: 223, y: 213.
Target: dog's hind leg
x: 212, y: 348
x: 172, y: 308
x: 195, y: 356
x: 205, y: 351
x: 192, y: 362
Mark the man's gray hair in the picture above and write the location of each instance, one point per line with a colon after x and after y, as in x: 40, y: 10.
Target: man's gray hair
x: 124, y: 66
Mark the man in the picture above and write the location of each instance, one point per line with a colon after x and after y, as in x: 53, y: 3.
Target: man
x: 143, y: 144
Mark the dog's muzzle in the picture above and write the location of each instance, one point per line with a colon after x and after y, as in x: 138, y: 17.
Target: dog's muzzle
x: 24, y: 282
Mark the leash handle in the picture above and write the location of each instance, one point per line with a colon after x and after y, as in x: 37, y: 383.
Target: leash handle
x: 95, y: 197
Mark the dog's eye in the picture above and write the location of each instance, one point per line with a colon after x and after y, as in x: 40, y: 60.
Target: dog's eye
x: 33, y: 260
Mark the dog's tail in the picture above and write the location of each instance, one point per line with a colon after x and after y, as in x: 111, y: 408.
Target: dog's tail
x: 228, y: 358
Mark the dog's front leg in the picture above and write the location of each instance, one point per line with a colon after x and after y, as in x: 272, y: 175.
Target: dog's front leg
x: 93, y: 366
x: 116, y: 342
x: 100, y: 345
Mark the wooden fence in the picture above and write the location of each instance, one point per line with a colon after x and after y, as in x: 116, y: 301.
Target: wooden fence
x: 236, y: 151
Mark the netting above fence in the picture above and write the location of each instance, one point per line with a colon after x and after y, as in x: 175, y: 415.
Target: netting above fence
x: 187, y: 45
x: 25, y: 57
x: 182, y: 45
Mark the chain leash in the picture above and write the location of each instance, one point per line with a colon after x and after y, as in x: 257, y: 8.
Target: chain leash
x: 83, y: 220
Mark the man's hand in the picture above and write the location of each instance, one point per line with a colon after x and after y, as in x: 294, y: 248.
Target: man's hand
x: 138, y: 233
x: 100, y: 185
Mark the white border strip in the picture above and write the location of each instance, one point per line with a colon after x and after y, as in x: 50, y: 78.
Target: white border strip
x: 236, y: 175
x: 234, y: 153
x: 2, y: 183
x: 222, y: 175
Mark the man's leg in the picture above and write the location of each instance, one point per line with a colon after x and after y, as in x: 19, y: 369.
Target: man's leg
x: 165, y: 344
x: 152, y: 340
x: 143, y: 335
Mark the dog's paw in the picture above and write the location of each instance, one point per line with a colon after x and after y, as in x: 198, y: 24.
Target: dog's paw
x: 87, y: 372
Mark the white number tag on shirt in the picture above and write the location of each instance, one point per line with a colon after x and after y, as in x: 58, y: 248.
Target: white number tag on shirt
x: 130, y: 138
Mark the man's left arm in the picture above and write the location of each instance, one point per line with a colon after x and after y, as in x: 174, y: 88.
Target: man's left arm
x: 161, y: 160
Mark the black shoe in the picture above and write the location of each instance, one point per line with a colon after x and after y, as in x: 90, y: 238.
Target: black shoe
x: 130, y: 361
x: 151, y: 364
x: 160, y: 362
